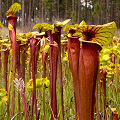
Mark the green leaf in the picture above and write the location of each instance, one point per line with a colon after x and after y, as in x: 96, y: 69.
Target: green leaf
x: 4, y: 41
x: 67, y: 27
x: 77, y: 34
x: 4, y: 99
x: 2, y: 92
x: 38, y: 26
x: 105, y: 57
x: 105, y: 51
x: 1, y: 25
x: 10, y: 27
x: 65, y: 59
x: 3, y: 96
x: 115, y: 49
x: 64, y: 42
x: 13, y: 9
x: 82, y: 23
x: 40, y: 83
x: 46, y: 83
x: 47, y: 48
x: 58, y: 23
x: 40, y: 34
x: 29, y: 85
x: 65, y: 21
x: 21, y: 37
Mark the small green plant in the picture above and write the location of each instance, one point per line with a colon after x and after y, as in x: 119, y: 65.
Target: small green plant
x: 3, y: 96
x: 1, y: 25
x: 40, y: 84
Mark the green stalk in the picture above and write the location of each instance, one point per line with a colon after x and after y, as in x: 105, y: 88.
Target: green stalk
x: 97, y: 101
x: 100, y: 92
x: 44, y: 75
x: 8, y: 102
x: 104, y: 73
x: 118, y: 72
x: 0, y: 62
x: 43, y: 103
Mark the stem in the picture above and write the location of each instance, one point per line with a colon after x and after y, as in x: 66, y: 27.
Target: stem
x: 23, y: 58
x: 33, y: 49
x: 19, y: 103
x: 73, y: 55
x: 53, y: 58
x: 6, y: 53
x: 97, y: 101
x: 23, y: 49
x: 0, y: 62
x: 43, y: 103
x: 118, y: 72
x: 104, y: 91
x: 20, y: 80
x: 53, y: 74
x: 44, y: 75
x: 30, y: 67
x: 37, y: 55
x: 12, y: 33
x: 16, y: 115
x: 88, y: 69
x: 116, y: 116
x: 18, y: 69
x: 100, y: 92
x: 8, y: 103
x: 60, y: 68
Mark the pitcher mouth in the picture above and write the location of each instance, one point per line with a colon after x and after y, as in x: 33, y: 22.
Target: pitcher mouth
x: 90, y: 42
x: 100, y: 34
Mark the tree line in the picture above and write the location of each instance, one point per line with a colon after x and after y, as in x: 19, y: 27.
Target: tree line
x: 92, y: 11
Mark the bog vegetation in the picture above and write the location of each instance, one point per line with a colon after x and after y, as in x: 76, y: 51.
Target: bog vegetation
x: 59, y: 71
